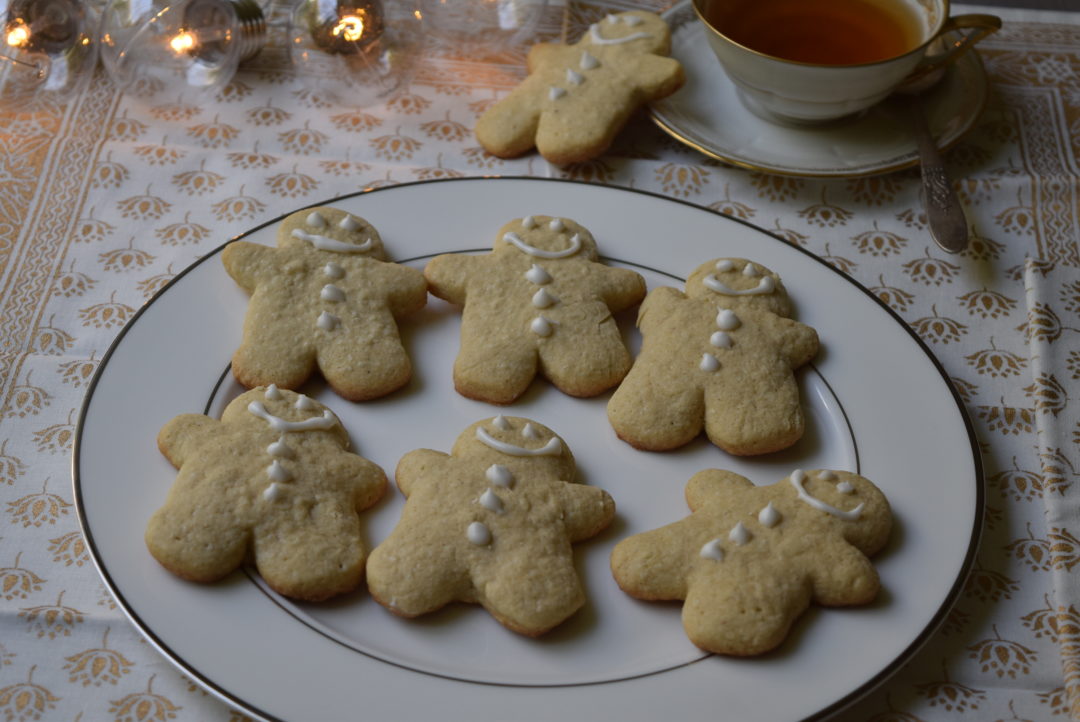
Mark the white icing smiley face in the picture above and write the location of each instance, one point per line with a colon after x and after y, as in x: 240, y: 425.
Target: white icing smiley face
x: 770, y: 517
x: 765, y: 284
x: 316, y: 227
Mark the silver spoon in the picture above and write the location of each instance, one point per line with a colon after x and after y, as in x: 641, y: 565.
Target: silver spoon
x: 944, y: 214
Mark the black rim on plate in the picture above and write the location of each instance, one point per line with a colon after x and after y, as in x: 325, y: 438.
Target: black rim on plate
x: 248, y: 707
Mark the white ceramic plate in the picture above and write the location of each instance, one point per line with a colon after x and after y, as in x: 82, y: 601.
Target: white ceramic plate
x: 878, y: 404
x: 707, y: 115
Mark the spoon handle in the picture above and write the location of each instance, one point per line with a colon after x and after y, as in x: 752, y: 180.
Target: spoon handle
x: 944, y: 214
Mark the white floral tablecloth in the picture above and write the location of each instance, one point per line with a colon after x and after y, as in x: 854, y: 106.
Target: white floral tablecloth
x: 105, y: 199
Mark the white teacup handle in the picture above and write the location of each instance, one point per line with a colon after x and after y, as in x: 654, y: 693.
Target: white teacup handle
x: 979, y: 26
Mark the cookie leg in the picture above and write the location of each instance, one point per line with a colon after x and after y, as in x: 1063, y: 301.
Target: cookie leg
x: 766, y: 417
x: 569, y: 138
x: 412, y: 578
x: 195, y: 541
x: 741, y: 619
x: 497, y: 371
x: 654, y: 410
x: 309, y: 551
x: 363, y: 358
x: 274, y: 350
x: 531, y: 598
x: 588, y: 363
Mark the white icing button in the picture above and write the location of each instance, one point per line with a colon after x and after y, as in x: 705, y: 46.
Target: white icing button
x: 543, y: 299
x: 332, y: 294
x: 721, y: 339
x: 530, y: 432
x: 333, y: 270
x: 739, y: 534
x: 588, y: 62
x: 499, y: 475
x: 826, y: 475
x: 724, y: 265
x: 272, y: 393
x: 845, y: 487
x: 769, y: 516
x: 500, y: 423
x: 348, y: 223
x: 712, y: 550
x: 273, y: 492
x: 541, y: 326
x: 327, y: 321
x: 304, y: 403
x: 478, y: 534
x: 751, y: 271
x: 537, y: 275
x: 611, y: 18
x: 280, y: 448
x: 277, y: 472
x: 528, y: 223
x: 316, y: 220
x: 490, y: 500
x: 557, y: 225
x: 708, y: 363
x: 574, y: 77
x: 555, y: 92
x: 632, y: 20
x: 726, y: 320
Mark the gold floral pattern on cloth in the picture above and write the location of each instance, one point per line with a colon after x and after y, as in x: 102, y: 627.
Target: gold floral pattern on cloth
x: 105, y: 199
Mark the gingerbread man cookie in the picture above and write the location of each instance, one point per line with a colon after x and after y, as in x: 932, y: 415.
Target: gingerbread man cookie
x: 578, y: 97
x: 272, y: 479
x: 721, y: 356
x: 491, y: 523
x: 749, y: 560
x: 327, y: 297
x: 540, y: 301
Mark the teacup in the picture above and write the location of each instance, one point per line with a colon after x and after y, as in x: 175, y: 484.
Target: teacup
x: 811, y: 61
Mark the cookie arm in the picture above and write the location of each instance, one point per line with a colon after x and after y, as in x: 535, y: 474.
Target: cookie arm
x: 654, y: 564
x: 798, y: 342
x: 367, y: 478
x: 415, y: 465
x: 447, y: 276
x: 657, y: 307
x: 620, y: 288
x: 712, y: 486
x: 587, y: 510
x: 248, y: 263
x: 408, y: 293
x: 180, y: 437
x: 658, y: 77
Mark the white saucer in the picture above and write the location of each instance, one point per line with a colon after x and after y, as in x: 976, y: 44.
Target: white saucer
x: 707, y: 115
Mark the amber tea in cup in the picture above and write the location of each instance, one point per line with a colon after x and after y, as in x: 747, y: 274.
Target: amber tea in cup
x: 824, y: 32
x: 813, y: 61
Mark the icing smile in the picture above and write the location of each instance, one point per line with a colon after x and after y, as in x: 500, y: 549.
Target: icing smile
x: 516, y: 240
x: 766, y: 285
x: 552, y: 448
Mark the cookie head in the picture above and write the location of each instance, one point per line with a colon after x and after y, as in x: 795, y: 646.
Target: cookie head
x: 636, y: 31
x: 511, y: 441
x: 333, y: 230
x: 857, y: 508
x: 273, y: 411
x: 546, y: 238
x: 737, y: 282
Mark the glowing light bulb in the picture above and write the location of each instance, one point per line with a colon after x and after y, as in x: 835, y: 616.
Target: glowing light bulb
x: 160, y: 45
x: 349, y: 28
x: 359, y: 50
x: 182, y: 42
x: 18, y: 35
x: 46, y: 49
